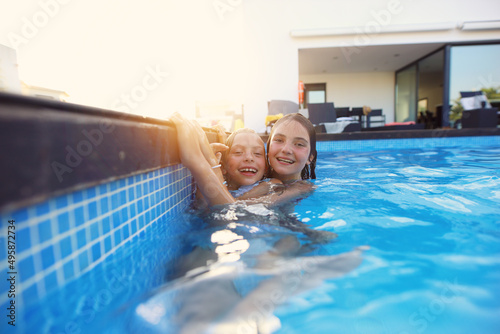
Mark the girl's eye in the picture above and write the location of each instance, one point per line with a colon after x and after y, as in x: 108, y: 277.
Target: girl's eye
x: 279, y: 140
x: 258, y: 154
x: 238, y: 153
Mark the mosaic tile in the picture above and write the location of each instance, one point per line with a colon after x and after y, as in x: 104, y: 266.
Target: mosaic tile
x: 88, y: 225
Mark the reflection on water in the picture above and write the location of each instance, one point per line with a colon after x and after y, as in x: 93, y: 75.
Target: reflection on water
x: 253, y: 263
x: 230, y: 245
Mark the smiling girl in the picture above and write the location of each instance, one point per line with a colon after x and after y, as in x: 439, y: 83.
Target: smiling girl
x: 291, y: 155
x: 291, y: 149
x: 244, y: 162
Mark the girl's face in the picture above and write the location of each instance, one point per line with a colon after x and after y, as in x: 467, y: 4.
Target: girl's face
x: 246, y: 161
x: 289, y: 151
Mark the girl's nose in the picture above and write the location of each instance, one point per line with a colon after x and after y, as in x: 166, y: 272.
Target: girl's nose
x: 248, y: 156
x: 286, y: 149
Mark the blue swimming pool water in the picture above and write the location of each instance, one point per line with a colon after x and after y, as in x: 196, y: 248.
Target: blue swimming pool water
x: 418, y: 251
x: 431, y: 218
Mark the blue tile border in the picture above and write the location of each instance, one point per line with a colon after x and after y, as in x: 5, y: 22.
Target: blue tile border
x: 406, y: 143
x: 62, y: 238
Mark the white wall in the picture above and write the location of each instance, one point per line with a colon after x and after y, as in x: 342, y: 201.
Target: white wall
x: 273, y: 63
x: 374, y: 89
x: 9, y: 77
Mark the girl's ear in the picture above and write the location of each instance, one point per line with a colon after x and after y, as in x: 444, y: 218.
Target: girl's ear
x: 311, y: 158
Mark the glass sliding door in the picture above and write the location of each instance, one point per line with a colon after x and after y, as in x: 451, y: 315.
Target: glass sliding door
x: 430, y: 89
x: 474, y: 68
x: 406, y: 94
x: 432, y: 85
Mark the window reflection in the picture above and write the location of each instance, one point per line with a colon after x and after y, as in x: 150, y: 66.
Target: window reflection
x: 430, y: 89
x: 406, y: 100
x: 474, y: 68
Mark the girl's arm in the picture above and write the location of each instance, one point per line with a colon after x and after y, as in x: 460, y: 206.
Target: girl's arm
x: 197, y: 155
x: 262, y: 189
x: 277, y: 192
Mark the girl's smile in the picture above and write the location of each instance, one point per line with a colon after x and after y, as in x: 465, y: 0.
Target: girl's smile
x: 289, y: 150
x: 245, y: 163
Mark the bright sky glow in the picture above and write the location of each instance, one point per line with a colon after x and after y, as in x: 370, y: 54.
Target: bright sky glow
x: 147, y: 57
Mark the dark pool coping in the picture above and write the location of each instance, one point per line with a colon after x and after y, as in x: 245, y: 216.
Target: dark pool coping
x: 410, y: 134
x: 404, y: 134
x: 52, y: 147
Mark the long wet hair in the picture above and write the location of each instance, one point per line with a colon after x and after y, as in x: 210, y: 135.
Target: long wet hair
x: 309, y: 171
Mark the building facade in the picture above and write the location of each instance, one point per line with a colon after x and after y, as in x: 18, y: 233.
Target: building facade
x: 388, y: 55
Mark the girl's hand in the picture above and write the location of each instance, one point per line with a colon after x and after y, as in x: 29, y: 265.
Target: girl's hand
x: 204, y: 145
x: 221, y: 134
x: 190, y: 151
x: 218, y: 148
x: 197, y: 155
